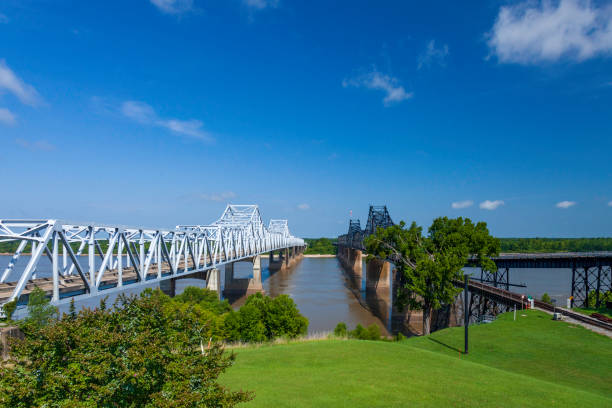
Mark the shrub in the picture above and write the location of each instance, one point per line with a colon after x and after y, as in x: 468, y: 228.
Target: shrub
x: 9, y: 308
x: 142, y: 352
x: 40, y: 311
x: 263, y: 318
x: 208, y: 299
x: 603, y: 298
x: 546, y: 299
x: 340, y: 330
x: 372, y: 332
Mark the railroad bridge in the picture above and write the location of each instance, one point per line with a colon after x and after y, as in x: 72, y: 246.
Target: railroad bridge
x: 490, y: 292
x: 72, y: 260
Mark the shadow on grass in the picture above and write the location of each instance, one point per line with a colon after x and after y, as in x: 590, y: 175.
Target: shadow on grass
x: 445, y: 345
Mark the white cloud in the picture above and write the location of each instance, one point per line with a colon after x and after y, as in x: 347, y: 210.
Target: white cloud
x: 303, y: 207
x: 433, y: 55
x: 462, y: 204
x: 527, y: 33
x: 145, y: 114
x: 219, y: 197
x: 10, y: 82
x: 38, y: 145
x: 260, y: 4
x: 565, y: 204
x: 7, y: 117
x: 491, y: 205
x: 3, y: 19
x: 394, y: 93
x: 173, y: 6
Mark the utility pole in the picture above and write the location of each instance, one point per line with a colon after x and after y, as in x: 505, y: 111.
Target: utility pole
x: 466, y: 312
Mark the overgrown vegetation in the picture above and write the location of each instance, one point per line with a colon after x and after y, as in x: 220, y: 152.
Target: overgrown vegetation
x: 320, y: 246
x: 555, y: 244
x: 372, y: 332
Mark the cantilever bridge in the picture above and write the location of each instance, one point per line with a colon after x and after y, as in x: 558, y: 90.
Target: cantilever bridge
x: 124, y: 257
x: 591, y: 271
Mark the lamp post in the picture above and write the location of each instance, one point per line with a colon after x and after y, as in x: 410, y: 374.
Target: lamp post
x: 466, y: 317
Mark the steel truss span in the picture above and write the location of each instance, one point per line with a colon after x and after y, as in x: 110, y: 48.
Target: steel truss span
x: 148, y: 255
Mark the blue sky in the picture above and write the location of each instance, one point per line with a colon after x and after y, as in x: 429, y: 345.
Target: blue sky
x: 159, y: 112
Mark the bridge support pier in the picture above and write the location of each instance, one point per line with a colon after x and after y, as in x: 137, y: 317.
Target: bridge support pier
x: 287, y: 259
x: 378, y: 275
x: 213, y: 281
x: 236, y: 288
x: 352, y: 262
x: 168, y: 286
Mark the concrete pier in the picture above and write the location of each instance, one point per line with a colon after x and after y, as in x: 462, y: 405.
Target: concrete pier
x: 287, y: 259
x: 235, y: 288
x: 378, y: 275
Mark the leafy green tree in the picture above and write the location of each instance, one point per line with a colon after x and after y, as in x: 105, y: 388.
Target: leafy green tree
x: 546, y: 298
x: 263, y: 318
x: 340, y: 330
x: 141, y: 353
x: 430, y: 265
x: 206, y: 298
x: 40, y: 311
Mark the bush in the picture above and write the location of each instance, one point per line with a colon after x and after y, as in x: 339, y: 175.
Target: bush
x: 145, y: 351
x: 372, y: 332
x: 546, y: 299
x: 263, y: 318
x: 208, y: 299
x: 9, y: 308
x: 603, y: 298
x: 340, y: 330
x: 40, y: 311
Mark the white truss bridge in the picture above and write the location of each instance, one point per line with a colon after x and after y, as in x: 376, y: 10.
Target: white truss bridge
x: 147, y: 255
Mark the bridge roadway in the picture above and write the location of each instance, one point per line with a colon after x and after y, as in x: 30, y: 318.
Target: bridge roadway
x: 149, y: 255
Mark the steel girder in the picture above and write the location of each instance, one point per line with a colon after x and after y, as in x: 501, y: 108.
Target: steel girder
x: 148, y: 255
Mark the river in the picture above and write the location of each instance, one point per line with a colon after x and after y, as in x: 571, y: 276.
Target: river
x: 325, y: 295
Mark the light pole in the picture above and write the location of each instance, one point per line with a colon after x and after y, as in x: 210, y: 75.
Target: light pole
x: 466, y: 317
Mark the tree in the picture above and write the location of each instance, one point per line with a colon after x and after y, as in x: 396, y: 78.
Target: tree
x: 208, y: 299
x: 141, y: 352
x: 546, y: 298
x: 72, y: 310
x: 40, y: 311
x: 340, y: 330
x: 431, y: 265
x: 263, y: 318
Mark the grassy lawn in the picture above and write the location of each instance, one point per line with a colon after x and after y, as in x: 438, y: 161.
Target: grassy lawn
x: 531, y: 361
x: 603, y: 310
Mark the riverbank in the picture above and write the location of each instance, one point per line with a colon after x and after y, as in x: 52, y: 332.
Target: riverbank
x: 533, y: 361
x: 319, y: 256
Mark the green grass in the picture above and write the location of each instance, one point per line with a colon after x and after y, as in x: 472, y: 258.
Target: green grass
x: 533, y: 361
x: 603, y: 310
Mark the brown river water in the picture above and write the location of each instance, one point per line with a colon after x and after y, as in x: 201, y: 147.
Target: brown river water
x: 325, y: 295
